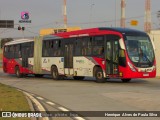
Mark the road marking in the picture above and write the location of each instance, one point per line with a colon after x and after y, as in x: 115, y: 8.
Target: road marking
x: 19, y: 90
x: 79, y: 118
x: 38, y: 104
x: 63, y: 109
x: 51, y: 103
x: 40, y: 98
x: 31, y: 94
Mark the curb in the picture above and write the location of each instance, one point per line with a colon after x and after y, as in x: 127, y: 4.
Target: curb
x: 31, y: 106
x: 32, y: 100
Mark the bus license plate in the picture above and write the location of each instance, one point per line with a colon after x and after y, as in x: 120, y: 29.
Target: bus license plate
x: 145, y: 74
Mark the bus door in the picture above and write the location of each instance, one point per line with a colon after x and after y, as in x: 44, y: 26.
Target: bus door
x: 25, y: 55
x: 68, y: 59
x: 112, y: 53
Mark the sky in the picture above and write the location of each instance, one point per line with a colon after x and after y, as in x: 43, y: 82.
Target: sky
x: 82, y: 13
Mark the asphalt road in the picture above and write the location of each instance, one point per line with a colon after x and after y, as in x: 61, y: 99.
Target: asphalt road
x: 87, y: 95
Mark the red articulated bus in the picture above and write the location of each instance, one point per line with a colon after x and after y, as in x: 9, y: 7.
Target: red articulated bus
x: 98, y: 52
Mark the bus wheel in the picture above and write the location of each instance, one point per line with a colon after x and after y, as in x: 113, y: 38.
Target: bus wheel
x: 126, y: 80
x: 54, y: 73
x: 78, y: 77
x: 17, y: 72
x: 99, y: 75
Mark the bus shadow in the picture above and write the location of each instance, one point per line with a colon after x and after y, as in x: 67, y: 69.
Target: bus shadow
x: 86, y: 79
x: 120, y: 81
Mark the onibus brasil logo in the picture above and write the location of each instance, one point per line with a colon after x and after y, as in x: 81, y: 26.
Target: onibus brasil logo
x: 25, y: 17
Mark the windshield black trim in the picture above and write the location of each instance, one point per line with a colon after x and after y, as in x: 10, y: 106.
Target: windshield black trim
x: 138, y: 64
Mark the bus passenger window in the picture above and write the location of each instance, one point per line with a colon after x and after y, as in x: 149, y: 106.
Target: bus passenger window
x: 45, y: 51
x: 83, y: 51
x: 59, y: 43
x: 108, y: 55
x: 12, y: 49
x: 101, y: 50
x: 5, y: 51
x: 89, y: 46
x: 31, y: 50
x: 84, y: 46
x: 98, y: 46
x: 16, y: 54
x: 78, y: 48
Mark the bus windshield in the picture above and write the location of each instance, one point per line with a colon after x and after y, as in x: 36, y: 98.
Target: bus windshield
x: 140, y: 50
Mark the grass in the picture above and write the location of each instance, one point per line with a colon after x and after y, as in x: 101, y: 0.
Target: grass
x: 0, y: 57
x: 12, y: 100
x: 0, y: 60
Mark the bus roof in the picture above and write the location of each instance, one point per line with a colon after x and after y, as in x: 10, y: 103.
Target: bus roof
x: 99, y: 31
x: 17, y: 41
x: 124, y: 30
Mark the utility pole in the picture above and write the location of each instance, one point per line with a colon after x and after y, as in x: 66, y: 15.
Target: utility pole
x: 158, y: 16
x: 147, y: 24
x: 0, y: 13
x: 123, y: 5
x: 65, y: 13
x: 91, y: 12
x: 115, y: 13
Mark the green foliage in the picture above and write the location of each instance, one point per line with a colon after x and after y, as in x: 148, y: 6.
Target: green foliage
x: 5, y: 40
x: 12, y: 100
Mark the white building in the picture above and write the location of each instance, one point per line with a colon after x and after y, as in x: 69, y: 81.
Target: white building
x: 155, y: 36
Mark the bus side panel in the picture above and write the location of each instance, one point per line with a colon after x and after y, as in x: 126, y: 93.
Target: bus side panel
x: 6, y: 64
x: 48, y: 62
x: 10, y: 64
x: 83, y: 66
x: 30, y: 64
x: 24, y: 70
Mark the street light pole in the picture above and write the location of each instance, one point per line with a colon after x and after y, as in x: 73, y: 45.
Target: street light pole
x: 65, y: 13
x: 115, y: 13
x: 0, y: 13
x: 123, y: 5
x: 158, y: 16
x: 91, y: 8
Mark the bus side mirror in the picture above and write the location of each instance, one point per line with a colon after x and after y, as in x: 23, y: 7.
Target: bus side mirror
x: 121, y: 53
x: 121, y: 43
x: 122, y: 58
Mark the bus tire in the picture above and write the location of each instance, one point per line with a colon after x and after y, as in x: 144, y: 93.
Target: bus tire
x: 126, y: 80
x: 99, y: 75
x: 54, y: 73
x: 17, y: 72
x: 78, y: 77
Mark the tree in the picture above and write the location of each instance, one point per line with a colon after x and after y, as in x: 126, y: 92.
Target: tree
x: 5, y: 40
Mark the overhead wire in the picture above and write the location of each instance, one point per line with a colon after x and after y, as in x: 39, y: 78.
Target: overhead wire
x: 83, y: 23
x: 71, y: 23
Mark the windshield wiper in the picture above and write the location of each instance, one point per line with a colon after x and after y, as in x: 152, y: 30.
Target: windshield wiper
x: 143, y: 55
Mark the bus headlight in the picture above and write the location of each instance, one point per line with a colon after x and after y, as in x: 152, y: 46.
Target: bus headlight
x: 154, y: 67
x: 103, y: 62
x: 120, y: 74
x: 131, y: 67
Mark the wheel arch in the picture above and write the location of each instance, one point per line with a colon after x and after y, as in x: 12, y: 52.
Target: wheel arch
x: 53, y: 66
x: 95, y: 68
x: 18, y: 72
x: 15, y: 67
